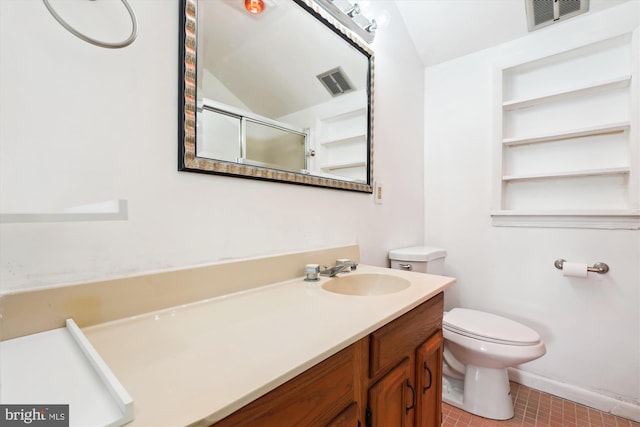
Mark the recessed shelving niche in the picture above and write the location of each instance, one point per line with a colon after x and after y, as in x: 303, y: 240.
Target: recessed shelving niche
x: 343, y: 144
x: 567, y: 143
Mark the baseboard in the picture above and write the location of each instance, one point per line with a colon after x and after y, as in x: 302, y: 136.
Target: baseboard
x: 576, y: 394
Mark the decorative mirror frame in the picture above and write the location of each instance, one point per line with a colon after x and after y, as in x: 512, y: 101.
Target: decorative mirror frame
x: 187, y: 159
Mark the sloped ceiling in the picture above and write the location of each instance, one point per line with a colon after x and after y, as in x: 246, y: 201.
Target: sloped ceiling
x: 445, y: 29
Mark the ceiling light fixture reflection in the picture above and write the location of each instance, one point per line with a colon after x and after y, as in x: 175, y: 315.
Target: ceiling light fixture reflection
x: 350, y: 14
x: 373, y: 25
x: 355, y: 10
x: 254, y: 6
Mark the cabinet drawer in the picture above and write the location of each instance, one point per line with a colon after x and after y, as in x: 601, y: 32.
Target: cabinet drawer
x: 392, y: 342
x: 313, y: 398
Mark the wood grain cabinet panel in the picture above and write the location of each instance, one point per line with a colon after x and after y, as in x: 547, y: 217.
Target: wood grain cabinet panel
x: 346, y: 418
x: 429, y: 382
x: 394, y: 341
x: 313, y: 398
x: 393, y: 399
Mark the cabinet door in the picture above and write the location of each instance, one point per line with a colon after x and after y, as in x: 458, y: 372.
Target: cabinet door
x: 429, y: 382
x: 392, y: 400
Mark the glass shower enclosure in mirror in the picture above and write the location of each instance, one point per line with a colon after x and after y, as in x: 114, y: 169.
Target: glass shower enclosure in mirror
x: 284, y: 95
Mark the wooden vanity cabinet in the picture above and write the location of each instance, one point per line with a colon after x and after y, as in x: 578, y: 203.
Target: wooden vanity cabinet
x: 405, y: 369
x: 324, y: 395
x: 391, y: 378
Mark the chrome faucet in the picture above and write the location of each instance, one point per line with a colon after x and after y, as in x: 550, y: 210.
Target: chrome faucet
x: 340, y: 266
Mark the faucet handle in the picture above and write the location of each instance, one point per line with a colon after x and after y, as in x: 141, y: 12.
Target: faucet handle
x: 349, y: 265
x: 311, y: 271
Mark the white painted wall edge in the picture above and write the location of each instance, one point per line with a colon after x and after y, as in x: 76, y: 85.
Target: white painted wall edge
x: 576, y: 394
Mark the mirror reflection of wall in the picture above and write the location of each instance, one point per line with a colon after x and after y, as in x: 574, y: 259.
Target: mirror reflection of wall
x: 282, y: 72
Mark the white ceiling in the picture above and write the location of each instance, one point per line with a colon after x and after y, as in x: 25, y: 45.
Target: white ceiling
x: 445, y: 29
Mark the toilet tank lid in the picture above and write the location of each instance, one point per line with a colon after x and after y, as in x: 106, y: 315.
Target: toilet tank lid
x: 488, y: 326
x: 417, y: 253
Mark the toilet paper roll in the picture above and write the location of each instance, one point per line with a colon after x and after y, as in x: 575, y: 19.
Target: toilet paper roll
x: 574, y: 269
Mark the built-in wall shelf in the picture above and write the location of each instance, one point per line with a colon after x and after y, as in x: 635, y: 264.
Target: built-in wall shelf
x: 566, y: 139
x: 112, y: 210
x: 347, y: 139
x: 595, y: 219
x: 618, y: 82
x: 341, y: 144
x: 337, y: 166
x: 605, y: 129
x: 571, y: 174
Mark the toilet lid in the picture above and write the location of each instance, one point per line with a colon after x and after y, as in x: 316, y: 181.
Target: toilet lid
x: 488, y: 327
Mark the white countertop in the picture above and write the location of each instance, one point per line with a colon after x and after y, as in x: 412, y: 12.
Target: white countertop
x: 196, y: 364
x: 59, y: 367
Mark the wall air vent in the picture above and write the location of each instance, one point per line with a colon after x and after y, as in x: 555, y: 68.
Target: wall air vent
x: 335, y: 81
x: 541, y: 13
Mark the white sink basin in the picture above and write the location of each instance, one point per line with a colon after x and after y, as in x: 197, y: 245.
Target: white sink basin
x: 366, y: 284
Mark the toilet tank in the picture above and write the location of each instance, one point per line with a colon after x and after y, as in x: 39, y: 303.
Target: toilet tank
x: 423, y: 259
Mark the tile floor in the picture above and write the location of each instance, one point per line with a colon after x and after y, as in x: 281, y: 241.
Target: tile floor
x: 534, y: 408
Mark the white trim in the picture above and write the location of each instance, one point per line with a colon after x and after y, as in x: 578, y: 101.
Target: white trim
x: 569, y: 174
x: 574, y: 133
x: 118, y: 392
x: 634, y: 130
x: 609, y: 220
x: 111, y: 210
x: 498, y: 185
x: 576, y: 394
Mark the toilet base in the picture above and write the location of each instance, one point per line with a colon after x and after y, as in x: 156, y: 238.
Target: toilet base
x: 484, y: 392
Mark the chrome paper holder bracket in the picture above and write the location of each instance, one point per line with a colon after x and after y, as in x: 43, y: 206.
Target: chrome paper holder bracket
x: 598, y: 267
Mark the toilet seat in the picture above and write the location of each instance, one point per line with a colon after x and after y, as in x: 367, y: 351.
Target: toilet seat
x: 488, y: 327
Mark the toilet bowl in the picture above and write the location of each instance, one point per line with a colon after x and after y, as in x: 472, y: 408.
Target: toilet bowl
x: 479, y: 347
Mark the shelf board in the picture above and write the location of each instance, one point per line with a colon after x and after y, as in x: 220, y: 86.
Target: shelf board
x: 618, y: 82
x: 345, y: 140
x: 606, y: 129
x: 347, y: 165
x: 112, y: 210
x: 572, y: 174
x: 344, y: 116
x: 624, y: 219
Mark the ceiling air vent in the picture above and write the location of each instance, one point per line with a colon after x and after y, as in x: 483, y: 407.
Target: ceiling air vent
x: 541, y: 13
x: 335, y: 81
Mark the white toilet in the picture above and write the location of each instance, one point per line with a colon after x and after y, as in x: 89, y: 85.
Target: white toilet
x: 478, y: 346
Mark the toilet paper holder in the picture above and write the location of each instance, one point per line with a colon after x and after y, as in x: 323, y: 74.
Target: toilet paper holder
x: 598, y: 267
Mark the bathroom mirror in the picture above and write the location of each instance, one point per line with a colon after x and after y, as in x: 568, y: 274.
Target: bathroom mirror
x: 284, y: 95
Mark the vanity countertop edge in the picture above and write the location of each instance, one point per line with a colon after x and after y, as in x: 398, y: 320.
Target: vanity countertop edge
x: 193, y: 365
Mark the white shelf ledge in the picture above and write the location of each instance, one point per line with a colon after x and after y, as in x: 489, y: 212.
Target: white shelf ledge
x: 348, y: 165
x: 618, y: 82
x: 606, y: 129
x: 345, y: 140
x: 571, y: 174
x: 595, y: 219
x: 344, y: 116
x: 112, y: 210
